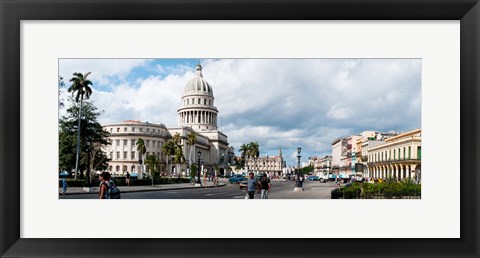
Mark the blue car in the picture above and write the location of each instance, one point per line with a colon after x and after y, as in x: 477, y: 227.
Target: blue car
x: 236, y: 179
x: 313, y: 178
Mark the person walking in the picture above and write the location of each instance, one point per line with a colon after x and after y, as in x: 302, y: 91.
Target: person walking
x: 64, y: 186
x: 265, y: 187
x: 104, y: 185
x: 127, y: 179
x: 251, y: 186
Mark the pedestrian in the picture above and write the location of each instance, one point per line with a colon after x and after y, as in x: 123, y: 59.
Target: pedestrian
x: 104, y: 185
x: 127, y: 180
x: 64, y: 186
x: 251, y: 186
x: 302, y: 179
x: 265, y: 187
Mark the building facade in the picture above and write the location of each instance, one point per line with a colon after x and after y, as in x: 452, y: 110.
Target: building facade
x: 197, y: 113
x: 338, y: 148
x: 399, y: 157
x: 321, y: 165
x: 273, y: 166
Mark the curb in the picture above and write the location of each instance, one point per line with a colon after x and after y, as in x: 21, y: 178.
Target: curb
x: 149, y: 190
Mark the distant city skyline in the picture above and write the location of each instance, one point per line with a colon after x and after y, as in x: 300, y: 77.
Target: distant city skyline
x: 276, y: 102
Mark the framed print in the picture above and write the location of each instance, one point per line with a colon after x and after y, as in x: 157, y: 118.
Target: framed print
x: 439, y: 39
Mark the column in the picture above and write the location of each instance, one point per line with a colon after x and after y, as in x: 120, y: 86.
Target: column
x: 401, y: 172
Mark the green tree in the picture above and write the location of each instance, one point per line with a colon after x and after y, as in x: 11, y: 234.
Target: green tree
x: 152, y: 162
x: 61, y: 84
x: 245, y: 154
x: 191, y: 140
x: 306, y: 170
x: 178, y: 157
x: 80, y: 87
x: 168, y: 150
x: 92, y: 132
x: 254, y: 150
x: 142, y: 149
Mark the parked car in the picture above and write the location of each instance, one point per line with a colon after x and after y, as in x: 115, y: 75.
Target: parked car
x: 313, y: 178
x: 236, y: 179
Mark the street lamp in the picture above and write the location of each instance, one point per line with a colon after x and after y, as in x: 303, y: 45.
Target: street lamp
x: 88, y: 185
x: 199, y: 182
x: 298, y: 183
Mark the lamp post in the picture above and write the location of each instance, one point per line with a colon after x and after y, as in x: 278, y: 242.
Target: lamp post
x: 298, y: 182
x: 88, y: 185
x: 199, y: 182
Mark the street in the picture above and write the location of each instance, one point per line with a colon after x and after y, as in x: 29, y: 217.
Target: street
x: 279, y: 190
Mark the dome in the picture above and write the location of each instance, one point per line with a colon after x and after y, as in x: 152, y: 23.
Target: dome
x: 198, y: 85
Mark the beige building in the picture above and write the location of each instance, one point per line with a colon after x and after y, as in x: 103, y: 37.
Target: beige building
x: 321, y: 165
x: 399, y: 157
x: 270, y: 165
x: 123, y: 150
x: 197, y: 113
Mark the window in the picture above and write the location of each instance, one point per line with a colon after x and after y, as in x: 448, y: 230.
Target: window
x: 133, y: 142
x: 111, y: 155
x: 125, y: 142
x: 188, y: 102
x: 118, y: 129
x: 118, y: 155
x: 193, y: 101
x: 132, y: 155
x: 409, y: 150
x: 118, y: 142
x: 148, y: 130
x: 124, y: 155
x: 111, y: 129
x: 148, y: 143
x: 205, y: 102
x: 141, y: 129
x: 403, y: 152
x: 124, y: 129
x: 133, y: 129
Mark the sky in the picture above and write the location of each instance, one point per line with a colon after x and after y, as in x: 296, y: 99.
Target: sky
x: 285, y: 103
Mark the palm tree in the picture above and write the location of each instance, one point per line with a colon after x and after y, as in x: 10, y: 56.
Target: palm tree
x: 178, y: 157
x: 168, y: 149
x: 177, y: 138
x: 142, y: 149
x: 81, y: 87
x: 152, y: 162
x: 254, y: 150
x: 191, y: 140
x: 244, y: 150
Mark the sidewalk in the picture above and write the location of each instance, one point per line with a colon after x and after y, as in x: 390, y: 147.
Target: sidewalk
x: 143, y: 188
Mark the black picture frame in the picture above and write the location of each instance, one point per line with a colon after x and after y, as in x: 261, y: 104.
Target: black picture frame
x: 14, y: 11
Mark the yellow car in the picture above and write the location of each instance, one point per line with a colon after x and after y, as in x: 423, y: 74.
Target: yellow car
x: 243, y: 184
